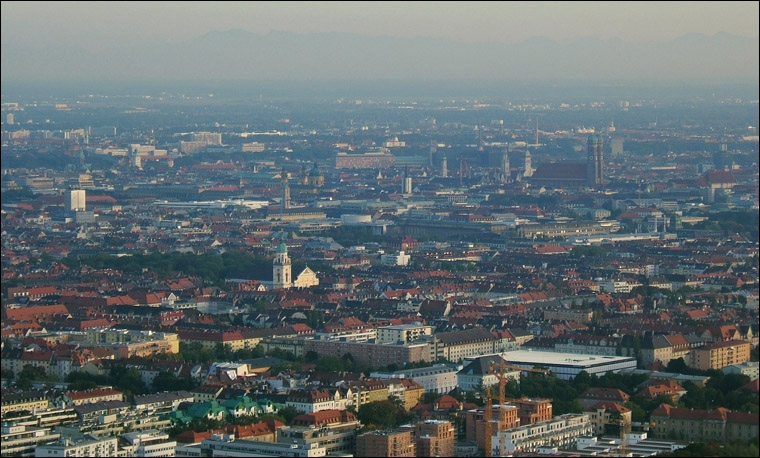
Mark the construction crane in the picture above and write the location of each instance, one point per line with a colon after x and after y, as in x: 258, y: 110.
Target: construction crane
x: 527, y: 369
x: 625, y: 429
x: 502, y: 397
x: 488, y: 416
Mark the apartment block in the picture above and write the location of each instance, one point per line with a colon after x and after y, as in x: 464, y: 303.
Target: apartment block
x: 719, y: 355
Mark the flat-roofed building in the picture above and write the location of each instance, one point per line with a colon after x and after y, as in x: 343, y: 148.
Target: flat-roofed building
x: 561, y: 432
x: 749, y: 368
x: 333, y: 430
x: 364, y: 161
x: 434, y: 438
x: 504, y: 417
x: 439, y: 378
x: 402, y: 333
x: 386, y: 443
x: 21, y: 440
x: 81, y: 446
x: 236, y: 447
x: 565, y: 365
x: 533, y: 410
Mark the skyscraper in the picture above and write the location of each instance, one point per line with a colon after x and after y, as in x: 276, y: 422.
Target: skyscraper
x: 595, y: 161
x: 444, y: 167
x: 76, y: 200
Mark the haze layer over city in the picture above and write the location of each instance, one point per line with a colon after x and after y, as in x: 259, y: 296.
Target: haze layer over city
x: 379, y: 229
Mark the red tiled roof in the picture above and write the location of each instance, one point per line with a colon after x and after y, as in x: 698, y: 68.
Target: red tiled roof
x: 324, y: 417
x: 39, y: 311
x: 609, y: 406
x: 94, y: 393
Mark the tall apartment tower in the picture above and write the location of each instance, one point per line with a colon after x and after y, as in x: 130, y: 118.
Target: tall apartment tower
x: 281, y: 268
x: 433, y: 149
x: 595, y: 161
x: 75, y: 201
x: 444, y: 167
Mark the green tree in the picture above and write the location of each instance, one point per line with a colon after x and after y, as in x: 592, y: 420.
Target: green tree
x: 166, y: 381
x: 127, y: 380
x: 380, y: 414
x: 288, y: 413
x: 637, y: 412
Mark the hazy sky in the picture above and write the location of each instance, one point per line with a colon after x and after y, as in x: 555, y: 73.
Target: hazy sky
x: 98, y: 25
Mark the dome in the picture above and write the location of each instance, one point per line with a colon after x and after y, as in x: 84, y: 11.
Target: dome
x: 315, y: 171
x: 282, y: 248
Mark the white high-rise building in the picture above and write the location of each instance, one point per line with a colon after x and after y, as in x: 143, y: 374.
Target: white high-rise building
x: 75, y: 200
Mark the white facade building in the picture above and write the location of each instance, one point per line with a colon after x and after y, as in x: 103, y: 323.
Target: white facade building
x: 560, y: 432
x: 86, y: 446
x: 399, y: 259
x: 402, y: 333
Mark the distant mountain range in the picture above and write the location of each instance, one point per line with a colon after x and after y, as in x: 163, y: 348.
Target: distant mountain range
x: 243, y: 55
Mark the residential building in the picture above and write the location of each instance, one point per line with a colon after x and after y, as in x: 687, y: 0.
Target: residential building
x: 483, y: 371
x: 31, y: 401
x: 333, y: 430
x: 372, y: 353
x: 533, y: 410
x: 385, y: 443
x: 21, y: 440
x: 77, y: 398
x: 605, y: 413
x: 439, y: 378
x: 503, y: 417
x: 316, y: 400
x: 458, y: 345
x: 402, y: 333
x: 206, y: 393
x: 595, y: 394
x: 561, y: 432
x: 749, y: 368
x: 719, y: 355
x: 82, y: 446
x: 149, y: 443
x: 695, y: 425
x: 434, y: 438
